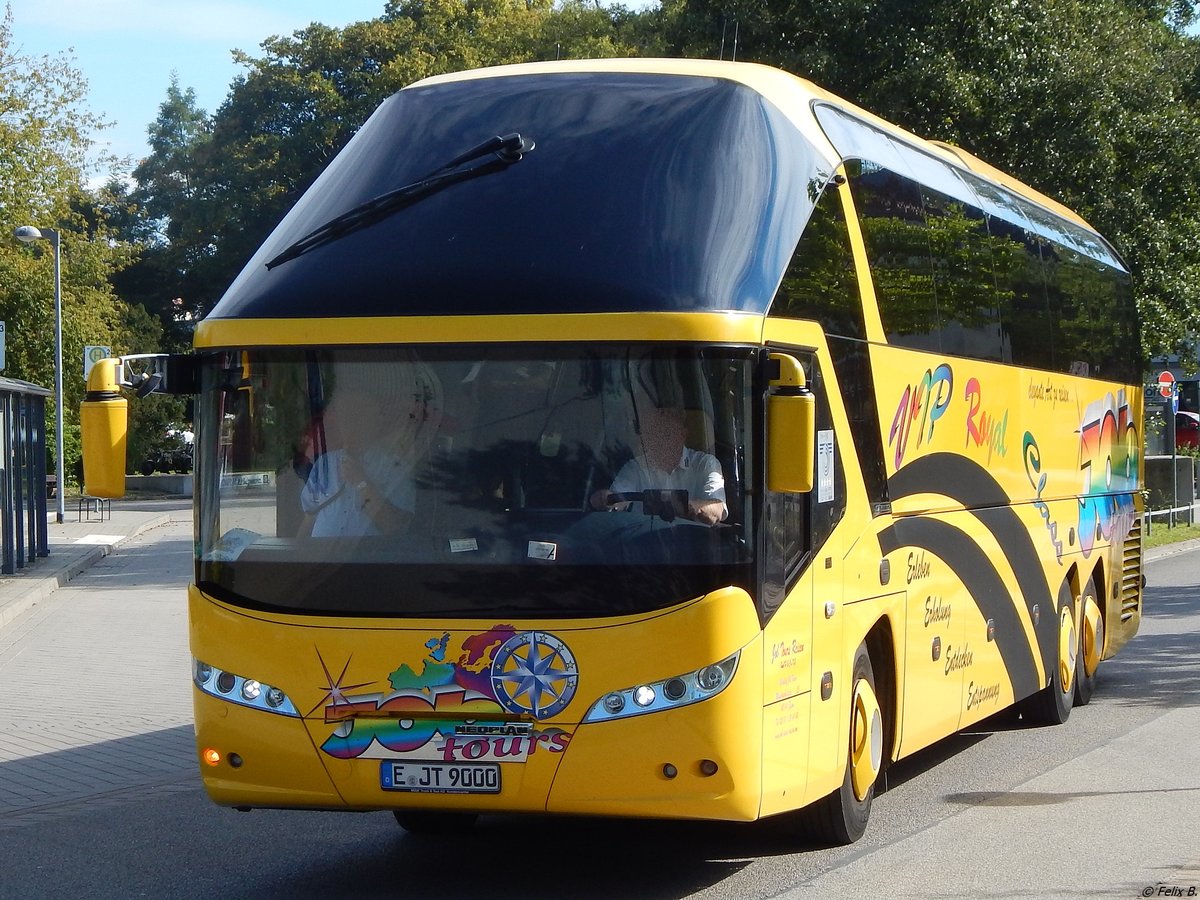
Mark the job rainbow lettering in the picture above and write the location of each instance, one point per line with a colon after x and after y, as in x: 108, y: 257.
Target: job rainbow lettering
x: 456, y: 711
x: 1108, y: 446
x: 921, y: 406
x: 403, y: 731
x: 1110, y: 465
x: 399, y: 739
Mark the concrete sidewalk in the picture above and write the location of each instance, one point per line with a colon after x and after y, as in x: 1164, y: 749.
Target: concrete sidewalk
x: 78, y: 543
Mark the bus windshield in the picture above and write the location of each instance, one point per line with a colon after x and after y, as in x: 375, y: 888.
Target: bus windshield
x: 474, y: 480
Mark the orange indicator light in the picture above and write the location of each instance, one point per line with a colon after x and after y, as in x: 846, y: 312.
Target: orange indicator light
x: 210, y: 756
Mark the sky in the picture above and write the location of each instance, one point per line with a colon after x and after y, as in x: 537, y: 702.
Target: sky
x: 127, y: 49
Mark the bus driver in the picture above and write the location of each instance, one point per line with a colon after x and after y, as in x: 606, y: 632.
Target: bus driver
x: 666, y: 463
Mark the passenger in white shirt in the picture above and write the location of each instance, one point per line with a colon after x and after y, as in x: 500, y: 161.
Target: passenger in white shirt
x: 365, y: 485
x: 667, y: 464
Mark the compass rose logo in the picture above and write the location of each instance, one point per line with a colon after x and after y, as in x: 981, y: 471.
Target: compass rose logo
x: 534, y: 673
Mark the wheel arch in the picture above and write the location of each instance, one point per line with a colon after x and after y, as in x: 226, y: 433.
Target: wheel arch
x: 881, y: 648
x: 1103, y: 588
x: 1095, y: 574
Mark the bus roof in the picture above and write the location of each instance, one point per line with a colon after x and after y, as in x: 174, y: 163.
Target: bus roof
x: 784, y: 90
x: 642, y: 185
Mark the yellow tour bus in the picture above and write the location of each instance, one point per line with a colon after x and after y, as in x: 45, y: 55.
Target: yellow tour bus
x: 646, y: 438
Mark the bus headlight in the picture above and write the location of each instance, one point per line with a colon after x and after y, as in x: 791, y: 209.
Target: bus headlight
x: 670, y: 693
x: 241, y: 690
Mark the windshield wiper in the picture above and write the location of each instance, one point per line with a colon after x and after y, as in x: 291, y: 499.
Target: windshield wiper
x: 505, y: 150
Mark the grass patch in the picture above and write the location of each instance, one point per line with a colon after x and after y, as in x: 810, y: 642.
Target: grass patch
x: 1160, y: 535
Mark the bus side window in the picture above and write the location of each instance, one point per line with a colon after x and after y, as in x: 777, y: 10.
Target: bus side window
x: 962, y: 276
x: 895, y: 233
x: 1094, y: 334
x: 1021, y: 295
x: 820, y: 282
x: 1119, y: 340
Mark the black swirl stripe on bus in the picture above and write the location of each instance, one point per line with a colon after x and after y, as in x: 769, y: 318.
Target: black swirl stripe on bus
x: 972, y: 486
x: 978, y: 574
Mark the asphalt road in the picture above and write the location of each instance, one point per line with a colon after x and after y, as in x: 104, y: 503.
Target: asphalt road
x: 1108, y: 804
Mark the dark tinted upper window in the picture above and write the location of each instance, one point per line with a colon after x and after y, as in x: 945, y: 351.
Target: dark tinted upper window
x: 1021, y: 294
x: 964, y: 285
x: 644, y: 192
x: 820, y: 282
x: 1094, y: 329
x: 1004, y: 278
x: 894, y: 229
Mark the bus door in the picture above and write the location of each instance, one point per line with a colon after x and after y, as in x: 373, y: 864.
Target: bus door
x: 935, y: 634
x: 802, y: 601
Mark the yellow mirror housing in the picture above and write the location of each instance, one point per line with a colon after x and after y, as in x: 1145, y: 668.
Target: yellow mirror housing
x: 791, y: 428
x: 104, y: 430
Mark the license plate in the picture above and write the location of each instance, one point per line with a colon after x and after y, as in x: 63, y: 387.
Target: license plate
x: 440, y: 778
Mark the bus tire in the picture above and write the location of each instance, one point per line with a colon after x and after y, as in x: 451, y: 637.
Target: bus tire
x: 1091, y: 644
x: 431, y: 822
x: 841, y: 818
x: 1052, y: 704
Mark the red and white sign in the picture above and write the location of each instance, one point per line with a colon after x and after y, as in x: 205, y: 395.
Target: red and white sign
x: 1166, y: 384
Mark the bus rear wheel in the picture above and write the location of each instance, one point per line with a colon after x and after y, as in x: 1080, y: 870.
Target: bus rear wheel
x: 1052, y: 704
x: 1091, y: 644
x: 429, y: 822
x: 841, y: 817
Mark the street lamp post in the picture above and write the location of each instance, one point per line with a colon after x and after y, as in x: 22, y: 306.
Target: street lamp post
x: 27, y: 234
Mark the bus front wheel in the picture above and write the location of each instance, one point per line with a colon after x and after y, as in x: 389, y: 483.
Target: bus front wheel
x: 841, y: 817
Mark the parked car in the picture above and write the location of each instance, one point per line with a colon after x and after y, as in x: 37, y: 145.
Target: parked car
x: 1187, y: 430
x: 174, y: 455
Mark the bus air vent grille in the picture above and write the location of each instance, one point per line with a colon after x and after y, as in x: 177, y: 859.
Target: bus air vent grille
x: 1131, y: 572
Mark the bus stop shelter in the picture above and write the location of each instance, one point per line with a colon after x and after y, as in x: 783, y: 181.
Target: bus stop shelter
x: 23, y: 482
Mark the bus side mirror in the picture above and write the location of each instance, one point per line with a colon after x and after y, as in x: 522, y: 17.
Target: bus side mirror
x: 791, y: 428
x: 104, y: 429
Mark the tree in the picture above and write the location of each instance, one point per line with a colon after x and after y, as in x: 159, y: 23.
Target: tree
x: 45, y: 140
x: 160, y: 216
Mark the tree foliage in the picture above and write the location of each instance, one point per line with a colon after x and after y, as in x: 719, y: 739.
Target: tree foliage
x: 45, y: 139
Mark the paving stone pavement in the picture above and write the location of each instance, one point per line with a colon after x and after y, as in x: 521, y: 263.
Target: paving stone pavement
x: 95, y: 696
